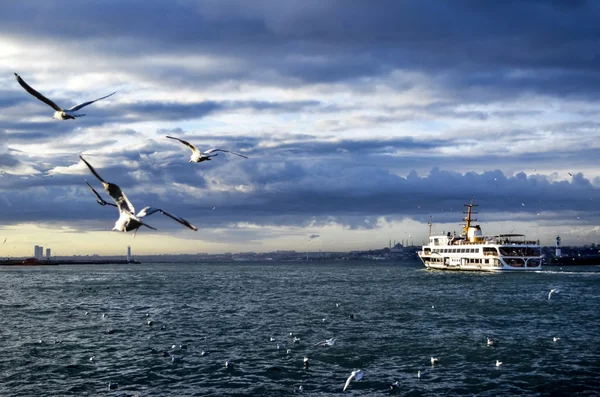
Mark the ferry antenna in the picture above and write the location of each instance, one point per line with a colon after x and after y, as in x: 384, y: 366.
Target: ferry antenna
x: 468, y: 218
x: 429, y: 224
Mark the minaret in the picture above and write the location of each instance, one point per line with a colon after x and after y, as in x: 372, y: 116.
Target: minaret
x: 558, y: 252
x: 128, y: 253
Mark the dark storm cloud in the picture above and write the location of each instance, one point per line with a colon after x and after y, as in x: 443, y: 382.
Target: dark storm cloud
x: 471, y: 44
x: 295, y: 193
x: 473, y: 52
x: 159, y: 110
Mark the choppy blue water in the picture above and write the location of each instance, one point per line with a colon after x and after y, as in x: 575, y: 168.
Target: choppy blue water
x: 403, y: 315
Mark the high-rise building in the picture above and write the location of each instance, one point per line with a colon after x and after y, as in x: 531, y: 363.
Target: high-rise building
x: 48, y: 252
x: 128, y: 253
x: 38, y: 252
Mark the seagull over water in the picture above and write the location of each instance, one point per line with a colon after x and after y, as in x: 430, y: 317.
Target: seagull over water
x: 60, y: 113
x: 198, y: 156
x: 128, y: 220
x: 357, y: 374
x: 551, y: 292
x: 327, y: 342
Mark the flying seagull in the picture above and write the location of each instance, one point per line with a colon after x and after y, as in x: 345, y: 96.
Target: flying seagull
x: 99, y: 199
x: 60, y: 113
x: 198, y: 156
x: 128, y: 220
x: 327, y: 342
x: 357, y: 374
x: 551, y: 292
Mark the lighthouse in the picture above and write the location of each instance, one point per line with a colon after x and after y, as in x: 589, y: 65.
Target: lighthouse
x: 558, y: 253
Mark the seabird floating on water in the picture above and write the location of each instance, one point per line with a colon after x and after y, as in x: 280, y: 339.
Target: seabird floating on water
x: 435, y: 360
x: 551, y: 292
x: 498, y: 363
x: 491, y: 342
x: 60, y: 113
x: 556, y: 339
x: 128, y: 220
x: 356, y: 375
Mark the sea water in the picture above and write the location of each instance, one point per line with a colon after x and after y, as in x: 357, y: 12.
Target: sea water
x: 387, y: 318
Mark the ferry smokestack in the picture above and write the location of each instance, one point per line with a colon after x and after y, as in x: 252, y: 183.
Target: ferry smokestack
x: 558, y: 251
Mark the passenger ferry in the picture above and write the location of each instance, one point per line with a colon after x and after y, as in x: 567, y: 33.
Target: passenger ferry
x: 474, y: 251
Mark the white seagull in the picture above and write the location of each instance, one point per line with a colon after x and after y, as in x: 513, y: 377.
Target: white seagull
x: 357, y: 374
x: 327, y: 342
x: 551, y: 292
x: 498, y: 363
x: 198, y: 156
x: 556, y: 339
x: 435, y: 360
x: 491, y: 342
x: 60, y: 113
x: 128, y: 220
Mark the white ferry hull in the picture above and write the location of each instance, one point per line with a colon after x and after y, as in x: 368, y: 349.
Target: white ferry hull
x: 479, y: 268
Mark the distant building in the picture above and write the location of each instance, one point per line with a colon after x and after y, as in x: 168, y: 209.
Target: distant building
x: 38, y: 252
x: 128, y: 253
x: 48, y: 252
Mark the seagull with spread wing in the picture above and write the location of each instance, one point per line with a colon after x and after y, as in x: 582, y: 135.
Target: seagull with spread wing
x: 198, y: 156
x: 99, y: 199
x: 128, y: 220
x: 60, y: 113
x: 356, y: 375
x: 326, y: 342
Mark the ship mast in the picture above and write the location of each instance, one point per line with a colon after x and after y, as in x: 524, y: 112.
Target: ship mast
x: 429, y: 224
x: 468, y: 219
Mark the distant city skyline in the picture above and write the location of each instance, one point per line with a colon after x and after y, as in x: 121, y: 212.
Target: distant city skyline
x: 359, y: 122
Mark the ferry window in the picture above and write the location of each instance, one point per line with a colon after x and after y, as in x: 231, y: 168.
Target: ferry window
x: 487, y: 261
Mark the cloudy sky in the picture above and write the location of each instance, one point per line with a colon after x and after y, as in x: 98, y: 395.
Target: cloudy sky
x: 361, y: 120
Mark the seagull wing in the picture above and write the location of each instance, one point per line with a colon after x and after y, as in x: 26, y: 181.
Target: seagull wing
x: 101, y: 201
x: 75, y: 108
x: 37, y: 94
x: 226, y: 151
x: 113, y: 191
x: 186, y: 143
x: 149, y: 211
x: 352, y: 375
